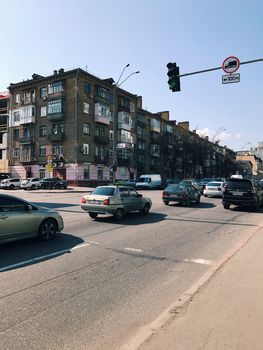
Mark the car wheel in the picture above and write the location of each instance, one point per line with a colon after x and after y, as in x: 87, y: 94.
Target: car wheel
x: 47, y: 230
x: 205, y: 195
x: 146, y: 209
x: 57, y: 186
x: 166, y: 202
x: 11, y: 187
x: 93, y: 215
x: 226, y: 206
x: 119, y: 214
x: 33, y: 187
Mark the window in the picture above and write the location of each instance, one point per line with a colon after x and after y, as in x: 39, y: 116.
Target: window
x: 140, y: 131
x: 86, y: 148
x: 155, y: 123
x: 43, y: 111
x: 125, y: 102
x: 100, y: 173
x: 125, y: 136
x: 55, y: 106
x: 100, y: 131
x: 86, y: 129
x: 141, y: 145
x: 102, y: 110
x: 16, y: 116
x: 132, y: 107
x: 58, y: 128
x: 86, y: 88
x: 86, y: 107
x: 17, y: 98
x: 86, y: 171
x: 16, y: 134
x: 111, y: 134
x: 42, y: 151
x: 42, y: 131
x: 58, y: 150
x: 42, y: 173
x: 55, y: 87
x: 27, y: 111
x: 43, y: 92
x: 99, y: 152
x: 16, y: 153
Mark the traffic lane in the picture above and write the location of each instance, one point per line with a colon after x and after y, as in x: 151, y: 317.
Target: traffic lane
x: 144, y: 280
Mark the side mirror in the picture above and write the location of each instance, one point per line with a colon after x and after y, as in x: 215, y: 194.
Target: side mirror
x: 29, y: 207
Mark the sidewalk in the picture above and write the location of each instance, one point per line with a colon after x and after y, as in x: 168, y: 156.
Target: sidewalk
x: 225, y: 313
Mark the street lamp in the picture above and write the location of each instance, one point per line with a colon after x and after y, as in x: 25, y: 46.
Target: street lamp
x: 115, y: 122
x: 221, y: 129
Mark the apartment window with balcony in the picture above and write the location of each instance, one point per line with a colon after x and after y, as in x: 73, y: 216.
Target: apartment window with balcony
x: 141, y: 145
x: 85, y: 148
x: 86, y: 171
x: 16, y: 134
x: 125, y: 136
x: 141, y: 131
x: 16, y: 116
x: 86, y: 107
x: 16, y: 153
x: 43, y: 92
x: 86, y: 88
x: 102, y: 111
x: 58, y: 151
x: 17, y: 98
x: 57, y: 128
x: 99, y: 152
x: 100, y: 131
x: 55, y: 87
x: 29, y: 96
x: 27, y: 111
x: 155, y: 150
x: 124, y: 102
x: 55, y: 106
x: 124, y: 153
x: 43, y: 111
x: 155, y: 124
x: 43, y: 131
x: 42, y: 151
x: 86, y: 129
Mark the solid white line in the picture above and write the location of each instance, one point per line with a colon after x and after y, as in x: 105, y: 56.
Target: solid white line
x: 200, y: 261
x: 134, y: 250
x: 25, y: 262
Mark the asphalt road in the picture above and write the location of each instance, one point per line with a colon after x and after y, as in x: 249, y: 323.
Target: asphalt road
x: 100, y: 281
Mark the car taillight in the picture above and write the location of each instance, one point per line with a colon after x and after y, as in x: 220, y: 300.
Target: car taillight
x: 219, y: 189
x: 83, y: 200
x: 165, y: 194
x: 106, y: 201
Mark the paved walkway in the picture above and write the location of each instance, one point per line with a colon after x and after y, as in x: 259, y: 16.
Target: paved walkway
x: 226, y: 313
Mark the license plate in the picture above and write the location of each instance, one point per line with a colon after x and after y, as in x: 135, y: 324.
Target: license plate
x: 237, y: 193
x: 94, y: 202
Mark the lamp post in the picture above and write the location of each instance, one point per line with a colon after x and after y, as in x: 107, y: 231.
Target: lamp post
x: 246, y: 144
x: 115, y: 122
x: 221, y: 129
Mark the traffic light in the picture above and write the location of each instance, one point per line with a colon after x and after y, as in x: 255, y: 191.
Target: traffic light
x: 174, y: 80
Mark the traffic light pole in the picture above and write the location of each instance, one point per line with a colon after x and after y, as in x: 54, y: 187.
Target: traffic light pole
x: 211, y: 69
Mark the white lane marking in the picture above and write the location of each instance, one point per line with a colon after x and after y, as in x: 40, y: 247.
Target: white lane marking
x: 92, y: 242
x: 200, y: 261
x: 26, y: 262
x: 134, y: 250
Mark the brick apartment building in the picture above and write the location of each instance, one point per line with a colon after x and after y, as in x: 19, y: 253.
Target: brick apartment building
x: 85, y: 124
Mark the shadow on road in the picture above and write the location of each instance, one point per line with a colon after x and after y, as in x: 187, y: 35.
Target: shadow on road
x: 30, y: 251
x: 133, y: 219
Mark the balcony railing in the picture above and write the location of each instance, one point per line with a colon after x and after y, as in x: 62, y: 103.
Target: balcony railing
x: 103, y: 140
x: 102, y: 119
x: 56, y: 137
x: 27, y: 139
x: 27, y: 120
x: 55, y: 117
x: 27, y: 159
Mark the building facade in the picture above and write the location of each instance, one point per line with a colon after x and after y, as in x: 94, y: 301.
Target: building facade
x: 88, y: 128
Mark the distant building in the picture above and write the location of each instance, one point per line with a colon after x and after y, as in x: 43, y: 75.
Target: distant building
x: 4, y: 100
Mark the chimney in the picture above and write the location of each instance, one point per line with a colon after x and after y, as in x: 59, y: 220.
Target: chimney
x: 55, y: 72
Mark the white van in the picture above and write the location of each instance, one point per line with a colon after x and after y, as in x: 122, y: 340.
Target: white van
x: 236, y: 176
x: 150, y: 181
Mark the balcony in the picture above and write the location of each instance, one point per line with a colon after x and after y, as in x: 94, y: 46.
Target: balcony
x: 123, y: 144
x: 27, y: 120
x: 26, y: 139
x: 124, y: 121
x: 60, y: 136
x: 102, y: 119
x: 55, y: 117
x: 103, y: 140
x: 27, y: 159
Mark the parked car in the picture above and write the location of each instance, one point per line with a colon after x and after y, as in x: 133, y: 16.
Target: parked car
x: 127, y: 182
x: 4, y: 176
x: 149, y: 182
x: 171, y: 180
x: 53, y: 182
x: 214, y: 189
x: 184, y: 193
x: 10, y: 183
x: 242, y: 192
x: 192, y: 182
x: 20, y: 219
x: 203, y: 182
x: 116, y: 200
x: 31, y: 183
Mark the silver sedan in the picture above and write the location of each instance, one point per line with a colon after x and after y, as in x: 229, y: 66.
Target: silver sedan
x: 21, y: 219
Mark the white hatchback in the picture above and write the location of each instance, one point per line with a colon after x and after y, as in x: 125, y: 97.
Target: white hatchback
x: 31, y: 183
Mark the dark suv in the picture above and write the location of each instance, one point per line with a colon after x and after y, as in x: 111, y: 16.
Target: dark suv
x: 53, y: 182
x: 242, y: 192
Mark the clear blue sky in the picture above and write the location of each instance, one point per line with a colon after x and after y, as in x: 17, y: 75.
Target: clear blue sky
x: 103, y: 36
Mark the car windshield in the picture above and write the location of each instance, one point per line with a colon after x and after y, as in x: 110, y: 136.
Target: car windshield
x: 104, y: 191
x: 237, y: 184
x: 214, y: 184
x: 176, y: 187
